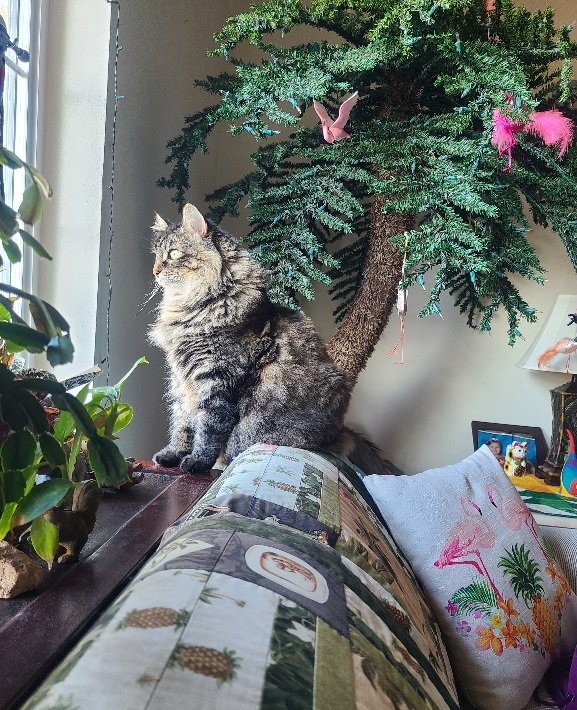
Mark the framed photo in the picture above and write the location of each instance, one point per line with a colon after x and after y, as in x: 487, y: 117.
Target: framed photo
x: 500, y: 438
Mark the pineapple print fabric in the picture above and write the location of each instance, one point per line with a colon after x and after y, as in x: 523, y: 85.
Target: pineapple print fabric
x: 248, y: 613
x: 506, y: 609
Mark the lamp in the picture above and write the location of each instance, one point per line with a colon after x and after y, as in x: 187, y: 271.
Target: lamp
x: 555, y: 350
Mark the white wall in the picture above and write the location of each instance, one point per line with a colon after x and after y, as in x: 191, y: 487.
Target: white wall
x: 164, y: 49
x: 420, y: 412
x: 72, y: 108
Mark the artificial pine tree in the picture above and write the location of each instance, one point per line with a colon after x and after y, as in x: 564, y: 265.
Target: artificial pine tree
x: 419, y: 180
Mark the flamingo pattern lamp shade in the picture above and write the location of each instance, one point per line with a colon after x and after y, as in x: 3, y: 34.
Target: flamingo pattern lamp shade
x: 555, y: 347
x: 505, y: 609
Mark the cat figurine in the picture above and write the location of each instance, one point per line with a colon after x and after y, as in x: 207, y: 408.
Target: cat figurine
x: 516, y: 459
x: 242, y: 370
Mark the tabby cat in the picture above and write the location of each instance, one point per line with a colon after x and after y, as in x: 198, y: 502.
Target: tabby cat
x: 242, y: 369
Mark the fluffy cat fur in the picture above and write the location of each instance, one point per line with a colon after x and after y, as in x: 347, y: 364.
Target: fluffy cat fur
x: 242, y: 369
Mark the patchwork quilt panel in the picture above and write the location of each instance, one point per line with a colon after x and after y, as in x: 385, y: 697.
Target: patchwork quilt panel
x: 250, y: 614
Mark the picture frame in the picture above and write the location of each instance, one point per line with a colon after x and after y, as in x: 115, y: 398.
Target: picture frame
x: 483, y: 432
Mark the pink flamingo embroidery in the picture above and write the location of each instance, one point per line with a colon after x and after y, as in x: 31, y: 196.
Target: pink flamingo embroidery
x: 514, y: 513
x: 467, y: 538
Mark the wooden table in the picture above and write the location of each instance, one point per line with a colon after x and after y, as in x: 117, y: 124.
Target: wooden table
x: 38, y: 628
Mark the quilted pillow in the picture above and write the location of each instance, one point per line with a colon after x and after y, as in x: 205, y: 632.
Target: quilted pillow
x: 505, y: 608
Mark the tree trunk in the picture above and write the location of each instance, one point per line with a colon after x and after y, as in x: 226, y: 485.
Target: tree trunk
x: 356, y: 337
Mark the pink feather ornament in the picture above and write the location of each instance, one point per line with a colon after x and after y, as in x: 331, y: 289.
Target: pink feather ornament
x: 552, y: 127
x: 503, y: 137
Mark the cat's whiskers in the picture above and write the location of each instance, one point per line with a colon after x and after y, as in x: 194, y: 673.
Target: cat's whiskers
x: 156, y: 287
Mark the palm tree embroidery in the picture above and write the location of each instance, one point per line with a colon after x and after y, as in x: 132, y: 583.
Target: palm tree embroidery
x: 467, y: 538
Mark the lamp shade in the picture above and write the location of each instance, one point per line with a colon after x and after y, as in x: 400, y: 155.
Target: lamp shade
x: 555, y: 348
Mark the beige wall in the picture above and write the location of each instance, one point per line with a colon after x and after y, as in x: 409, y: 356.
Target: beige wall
x: 419, y: 412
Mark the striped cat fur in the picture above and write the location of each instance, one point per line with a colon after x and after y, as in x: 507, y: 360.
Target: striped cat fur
x: 242, y: 370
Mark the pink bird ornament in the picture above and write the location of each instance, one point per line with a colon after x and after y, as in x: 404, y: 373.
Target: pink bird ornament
x: 334, y: 130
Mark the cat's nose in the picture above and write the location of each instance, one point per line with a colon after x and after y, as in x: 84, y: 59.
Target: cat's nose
x: 157, y: 268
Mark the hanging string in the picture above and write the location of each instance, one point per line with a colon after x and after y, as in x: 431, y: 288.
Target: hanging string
x: 117, y: 98
x: 401, y: 310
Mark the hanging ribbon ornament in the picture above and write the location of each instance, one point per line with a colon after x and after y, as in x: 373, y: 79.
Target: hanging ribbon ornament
x: 401, y: 310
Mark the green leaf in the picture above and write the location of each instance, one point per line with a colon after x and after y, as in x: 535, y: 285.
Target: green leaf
x: 18, y: 450
x: 8, y: 311
x: 8, y: 220
x: 34, y: 410
x: 29, y: 475
x: 57, y: 318
x: 34, y: 244
x: 69, y: 403
x: 46, y: 313
x: 60, y: 350
x: 32, y: 203
x: 109, y: 465
x: 24, y: 336
x: 37, y: 384
x: 40, y: 181
x: 82, y: 395
x: 10, y: 159
x: 6, y: 376
x: 42, y: 318
x: 140, y: 361
x: 6, y: 519
x: 475, y: 597
x: 44, y: 538
x: 122, y: 417
x: 52, y: 450
x: 4, y: 312
x: 14, y: 485
x: 13, y: 413
x: 12, y: 251
x: 40, y: 499
x: 63, y: 426
x: 104, y: 396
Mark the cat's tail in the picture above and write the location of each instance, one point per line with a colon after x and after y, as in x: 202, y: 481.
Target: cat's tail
x: 362, y: 452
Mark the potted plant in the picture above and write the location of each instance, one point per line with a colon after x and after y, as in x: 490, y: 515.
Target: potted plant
x: 39, y: 434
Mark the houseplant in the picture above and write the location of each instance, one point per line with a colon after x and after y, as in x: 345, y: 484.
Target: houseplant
x: 419, y: 183
x: 29, y: 443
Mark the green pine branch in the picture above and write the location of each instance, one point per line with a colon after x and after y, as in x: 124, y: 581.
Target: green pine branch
x: 429, y: 76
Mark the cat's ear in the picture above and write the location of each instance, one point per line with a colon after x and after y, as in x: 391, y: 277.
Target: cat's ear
x: 193, y: 222
x: 160, y: 225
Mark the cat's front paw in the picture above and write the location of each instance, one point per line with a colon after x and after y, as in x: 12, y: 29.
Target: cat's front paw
x: 195, y: 464
x: 169, y: 457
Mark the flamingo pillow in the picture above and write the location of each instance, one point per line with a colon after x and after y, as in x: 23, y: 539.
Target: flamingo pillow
x: 505, y: 608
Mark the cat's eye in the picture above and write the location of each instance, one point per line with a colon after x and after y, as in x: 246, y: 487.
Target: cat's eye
x: 174, y: 254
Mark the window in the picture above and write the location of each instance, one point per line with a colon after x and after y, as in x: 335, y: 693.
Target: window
x: 19, y: 126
